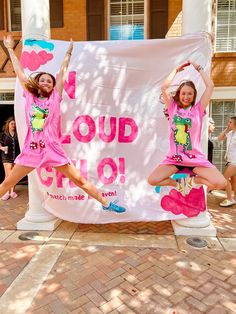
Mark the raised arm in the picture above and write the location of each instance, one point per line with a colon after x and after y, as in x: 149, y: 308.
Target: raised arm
x: 206, y: 97
x: 165, y: 86
x: 62, y: 73
x: 9, y: 44
x: 222, y: 135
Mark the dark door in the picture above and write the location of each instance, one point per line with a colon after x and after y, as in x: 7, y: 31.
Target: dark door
x: 6, y: 112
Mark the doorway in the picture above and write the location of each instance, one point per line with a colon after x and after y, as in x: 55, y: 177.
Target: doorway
x: 6, y: 112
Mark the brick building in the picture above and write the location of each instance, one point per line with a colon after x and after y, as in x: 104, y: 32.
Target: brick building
x: 130, y: 19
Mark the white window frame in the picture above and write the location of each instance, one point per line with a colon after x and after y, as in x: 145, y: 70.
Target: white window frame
x: 109, y: 15
x: 228, y: 47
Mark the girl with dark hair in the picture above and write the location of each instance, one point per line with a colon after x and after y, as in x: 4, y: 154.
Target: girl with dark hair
x: 229, y: 134
x: 42, y: 145
x: 9, y: 147
x: 185, y: 120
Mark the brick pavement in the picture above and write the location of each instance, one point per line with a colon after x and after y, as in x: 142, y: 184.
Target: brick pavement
x: 112, y: 279
x: 133, y: 280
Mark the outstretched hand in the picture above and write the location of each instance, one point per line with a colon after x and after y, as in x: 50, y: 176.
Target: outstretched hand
x: 182, y: 66
x: 195, y: 65
x: 8, y: 41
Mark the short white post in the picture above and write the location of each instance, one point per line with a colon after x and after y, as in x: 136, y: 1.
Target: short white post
x: 35, y: 24
x: 196, y: 17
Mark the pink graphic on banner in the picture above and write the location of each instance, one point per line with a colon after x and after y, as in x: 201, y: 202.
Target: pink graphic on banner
x: 69, y: 85
x: 33, y: 60
x: 189, y: 205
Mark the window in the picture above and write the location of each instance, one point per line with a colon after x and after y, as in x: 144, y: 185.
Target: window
x: 6, y: 97
x: 14, y: 17
x: 221, y: 111
x: 126, y: 19
x: 226, y: 25
x: 1, y: 15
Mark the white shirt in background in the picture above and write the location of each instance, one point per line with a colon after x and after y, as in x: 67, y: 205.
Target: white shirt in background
x: 230, y: 154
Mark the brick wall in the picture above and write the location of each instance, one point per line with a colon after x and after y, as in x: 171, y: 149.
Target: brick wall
x: 223, y: 69
x: 174, y: 18
x: 74, y: 22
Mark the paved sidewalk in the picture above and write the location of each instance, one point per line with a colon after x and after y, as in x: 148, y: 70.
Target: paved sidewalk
x: 116, y: 268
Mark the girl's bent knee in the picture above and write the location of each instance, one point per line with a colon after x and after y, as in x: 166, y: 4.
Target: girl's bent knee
x: 152, y: 181
x: 221, y: 185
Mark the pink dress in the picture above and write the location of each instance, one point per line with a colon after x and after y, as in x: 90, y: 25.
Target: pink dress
x: 42, y: 145
x: 185, y: 135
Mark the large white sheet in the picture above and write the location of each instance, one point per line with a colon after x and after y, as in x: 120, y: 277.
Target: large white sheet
x: 112, y: 85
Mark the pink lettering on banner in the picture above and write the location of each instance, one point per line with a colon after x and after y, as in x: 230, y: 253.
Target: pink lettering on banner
x: 60, y: 176
x: 69, y: 86
x: 66, y: 138
x: 107, y: 138
x: 48, y: 173
x: 123, y: 137
x: 100, y: 169
x: 49, y: 179
x: 122, y: 169
x: 109, y: 162
x: 91, y: 128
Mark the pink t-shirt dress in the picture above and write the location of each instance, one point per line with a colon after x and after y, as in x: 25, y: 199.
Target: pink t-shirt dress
x: 185, y: 136
x: 42, y: 145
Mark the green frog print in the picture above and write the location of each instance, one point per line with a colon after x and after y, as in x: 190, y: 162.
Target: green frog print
x: 37, y: 122
x: 38, y: 118
x: 182, y: 137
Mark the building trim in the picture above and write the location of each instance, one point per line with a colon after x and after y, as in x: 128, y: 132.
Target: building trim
x: 224, y: 93
x: 7, y: 84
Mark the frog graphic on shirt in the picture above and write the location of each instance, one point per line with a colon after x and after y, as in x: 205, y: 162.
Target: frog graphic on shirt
x: 38, y: 118
x: 182, y: 137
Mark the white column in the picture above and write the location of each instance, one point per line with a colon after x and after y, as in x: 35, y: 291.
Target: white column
x: 36, y: 25
x: 196, y: 17
x: 35, y: 19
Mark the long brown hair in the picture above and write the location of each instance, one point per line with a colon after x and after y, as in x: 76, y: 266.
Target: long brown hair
x: 185, y: 83
x: 33, y: 87
x: 5, y: 127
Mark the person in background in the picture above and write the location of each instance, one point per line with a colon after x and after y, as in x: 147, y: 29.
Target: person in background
x: 9, y: 147
x: 211, y: 128
x: 229, y: 134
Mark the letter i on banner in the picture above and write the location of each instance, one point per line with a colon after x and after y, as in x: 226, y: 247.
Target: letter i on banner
x: 122, y: 170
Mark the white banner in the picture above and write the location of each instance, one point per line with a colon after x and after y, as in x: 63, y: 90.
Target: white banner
x: 113, y: 127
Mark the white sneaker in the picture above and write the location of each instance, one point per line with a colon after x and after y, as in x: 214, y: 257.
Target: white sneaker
x: 227, y: 203
x: 181, y: 186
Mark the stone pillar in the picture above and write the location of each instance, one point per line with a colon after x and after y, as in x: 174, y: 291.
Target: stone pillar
x: 196, y: 17
x: 35, y: 19
x: 36, y: 25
